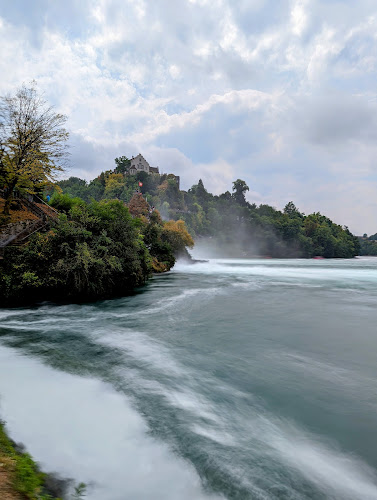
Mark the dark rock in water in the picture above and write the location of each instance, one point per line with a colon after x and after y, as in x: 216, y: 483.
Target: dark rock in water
x: 56, y: 486
x: 186, y: 257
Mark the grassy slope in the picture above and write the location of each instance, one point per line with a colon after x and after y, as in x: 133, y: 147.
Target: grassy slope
x: 20, y: 478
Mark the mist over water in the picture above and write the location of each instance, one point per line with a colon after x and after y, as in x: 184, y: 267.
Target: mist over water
x: 230, y: 379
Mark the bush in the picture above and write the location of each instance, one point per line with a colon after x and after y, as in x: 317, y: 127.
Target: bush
x: 64, y: 202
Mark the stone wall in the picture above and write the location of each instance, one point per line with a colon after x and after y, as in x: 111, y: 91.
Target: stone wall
x: 11, y: 231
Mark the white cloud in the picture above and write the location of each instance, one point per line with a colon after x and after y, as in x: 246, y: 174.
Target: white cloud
x: 218, y: 174
x: 163, y: 123
x: 281, y: 94
x: 299, y: 18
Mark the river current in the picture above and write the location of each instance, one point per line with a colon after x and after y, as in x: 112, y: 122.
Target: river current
x: 229, y: 379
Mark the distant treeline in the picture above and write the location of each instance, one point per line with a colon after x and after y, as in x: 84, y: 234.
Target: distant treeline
x: 368, y: 246
x: 228, y: 219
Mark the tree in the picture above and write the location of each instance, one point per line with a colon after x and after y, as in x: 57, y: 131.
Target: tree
x: 138, y: 206
x: 32, y: 142
x: 122, y: 165
x: 240, y: 187
x: 114, y: 186
x: 176, y: 234
x: 291, y: 210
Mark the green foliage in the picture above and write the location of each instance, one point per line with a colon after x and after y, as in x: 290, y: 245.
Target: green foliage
x: 158, y: 246
x: 240, y: 187
x: 80, y: 491
x: 263, y: 230
x: 368, y: 247
x: 64, y: 202
x: 291, y: 210
x: 176, y: 235
x: 94, y: 250
x: 122, y: 165
x: 232, y: 221
x: 27, y: 480
x: 74, y: 187
x: 32, y: 143
x: 114, y: 186
x: 6, y: 446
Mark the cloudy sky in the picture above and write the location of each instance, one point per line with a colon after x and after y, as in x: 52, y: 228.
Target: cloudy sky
x: 282, y: 94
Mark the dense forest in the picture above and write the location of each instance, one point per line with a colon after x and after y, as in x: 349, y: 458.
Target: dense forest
x: 228, y: 221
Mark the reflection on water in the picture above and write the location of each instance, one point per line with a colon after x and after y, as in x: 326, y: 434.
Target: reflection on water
x: 229, y: 379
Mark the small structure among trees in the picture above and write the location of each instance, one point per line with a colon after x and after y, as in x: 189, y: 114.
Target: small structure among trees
x: 140, y: 164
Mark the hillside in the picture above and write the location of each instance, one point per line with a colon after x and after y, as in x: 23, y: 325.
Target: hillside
x: 232, y: 224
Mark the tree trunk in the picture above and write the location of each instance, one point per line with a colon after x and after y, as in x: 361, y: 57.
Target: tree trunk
x: 9, y: 197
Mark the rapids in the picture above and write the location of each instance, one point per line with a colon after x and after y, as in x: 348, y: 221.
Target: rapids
x: 231, y: 379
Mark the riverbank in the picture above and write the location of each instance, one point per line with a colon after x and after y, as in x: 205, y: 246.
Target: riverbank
x: 20, y: 476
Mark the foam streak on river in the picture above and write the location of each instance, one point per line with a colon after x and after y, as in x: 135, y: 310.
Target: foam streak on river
x: 236, y: 379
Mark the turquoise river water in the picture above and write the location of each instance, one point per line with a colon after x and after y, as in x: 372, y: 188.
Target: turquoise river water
x: 230, y: 379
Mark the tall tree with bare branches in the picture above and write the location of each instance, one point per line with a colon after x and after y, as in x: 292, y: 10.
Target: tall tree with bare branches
x: 33, y: 142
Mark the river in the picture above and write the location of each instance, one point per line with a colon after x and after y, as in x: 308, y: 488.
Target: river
x: 230, y: 379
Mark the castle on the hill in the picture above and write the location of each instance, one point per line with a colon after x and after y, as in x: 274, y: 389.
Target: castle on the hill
x: 140, y: 164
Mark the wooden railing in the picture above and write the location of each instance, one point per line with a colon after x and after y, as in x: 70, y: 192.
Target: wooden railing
x: 49, y: 207
x: 31, y: 204
x: 24, y: 235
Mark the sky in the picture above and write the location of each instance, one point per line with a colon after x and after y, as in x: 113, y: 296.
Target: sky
x: 280, y: 94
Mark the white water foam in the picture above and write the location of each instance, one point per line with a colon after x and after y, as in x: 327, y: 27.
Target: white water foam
x: 338, y: 475
x: 283, y: 269
x: 82, y: 429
